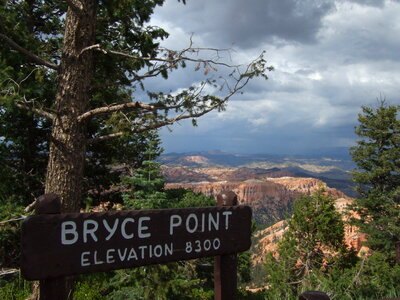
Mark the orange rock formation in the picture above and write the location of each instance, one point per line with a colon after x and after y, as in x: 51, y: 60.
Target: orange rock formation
x: 270, y: 198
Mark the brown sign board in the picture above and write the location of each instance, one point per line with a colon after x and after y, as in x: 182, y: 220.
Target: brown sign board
x: 75, y: 243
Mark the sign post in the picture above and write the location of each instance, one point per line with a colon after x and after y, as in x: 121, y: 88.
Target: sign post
x: 59, y: 287
x: 225, y: 266
x: 58, y: 245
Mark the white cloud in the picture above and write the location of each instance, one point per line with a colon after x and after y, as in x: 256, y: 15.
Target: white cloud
x: 322, y: 75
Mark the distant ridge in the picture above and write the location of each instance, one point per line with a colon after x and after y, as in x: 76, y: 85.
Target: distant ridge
x: 195, y: 166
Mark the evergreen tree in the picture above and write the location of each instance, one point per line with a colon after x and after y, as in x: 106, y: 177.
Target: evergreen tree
x: 377, y: 156
x: 180, y: 280
x: 147, y: 184
x: 93, y: 57
x: 312, y: 244
x: 107, y: 162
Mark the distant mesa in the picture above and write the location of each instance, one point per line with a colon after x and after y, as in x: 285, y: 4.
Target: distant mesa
x: 185, y: 160
x: 195, y: 159
x: 216, y: 166
x: 190, y: 174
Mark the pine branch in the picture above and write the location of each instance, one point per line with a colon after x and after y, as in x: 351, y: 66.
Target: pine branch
x: 114, y: 108
x: 170, y: 121
x: 38, y: 111
x: 151, y: 73
x: 152, y: 126
x: 172, y: 58
x: 12, y: 220
x: 193, y: 113
x: 34, y: 57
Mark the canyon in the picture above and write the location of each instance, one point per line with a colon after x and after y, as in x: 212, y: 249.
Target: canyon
x: 268, y: 188
x: 271, y: 199
x: 214, y: 166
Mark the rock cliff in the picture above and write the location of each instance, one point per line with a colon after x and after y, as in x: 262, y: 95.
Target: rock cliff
x: 270, y: 198
x: 188, y: 174
x: 266, y: 240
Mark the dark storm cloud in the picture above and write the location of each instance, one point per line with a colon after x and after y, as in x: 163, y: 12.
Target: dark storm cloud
x: 377, y: 3
x: 330, y: 58
x: 247, y: 23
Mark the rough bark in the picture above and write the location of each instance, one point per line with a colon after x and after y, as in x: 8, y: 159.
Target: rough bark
x: 68, y: 140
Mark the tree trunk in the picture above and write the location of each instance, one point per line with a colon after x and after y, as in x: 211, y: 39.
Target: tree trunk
x: 68, y: 139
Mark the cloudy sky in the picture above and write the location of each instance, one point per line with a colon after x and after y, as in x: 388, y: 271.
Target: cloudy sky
x: 330, y: 57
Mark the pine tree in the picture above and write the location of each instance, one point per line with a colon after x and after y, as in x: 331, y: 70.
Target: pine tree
x: 172, y: 281
x: 312, y: 244
x: 93, y: 57
x: 377, y: 156
x: 147, y: 184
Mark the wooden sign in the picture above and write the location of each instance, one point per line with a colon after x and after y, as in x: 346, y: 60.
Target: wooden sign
x: 68, y: 244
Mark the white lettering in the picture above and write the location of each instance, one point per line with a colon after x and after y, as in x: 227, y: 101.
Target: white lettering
x: 122, y: 257
x: 174, y: 221
x: 113, y: 255
x: 198, y: 246
x: 207, y: 245
x: 123, y: 229
x: 142, y: 250
x: 84, y: 260
x: 196, y: 223
x: 132, y: 254
x: 110, y: 258
x: 91, y: 231
x: 188, y: 248
x: 158, y: 250
x: 203, y: 221
x: 68, y: 231
x: 227, y: 214
x: 169, y: 250
x: 97, y: 262
x: 111, y: 230
x: 213, y: 221
x: 216, y: 243
x: 142, y: 228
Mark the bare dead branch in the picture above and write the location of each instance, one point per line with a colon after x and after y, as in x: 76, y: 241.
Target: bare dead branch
x: 38, y: 111
x: 30, y: 207
x: 12, y: 220
x: 96, y: 46
x: 34, y: 57
x: 114, y: 108
x: 151, y: 73
x: 104, y: 137
x: 170, y: 61
x: 152, y: 126
x: 173, y: 58
x: 159, y: 124
x: 8, y: 271
x: 199, y: 105
x: 13, y: 90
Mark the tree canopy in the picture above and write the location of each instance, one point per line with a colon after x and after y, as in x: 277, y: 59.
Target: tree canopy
x: 311, y: 245
x: 78, y: 69
x: 377, y: 155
